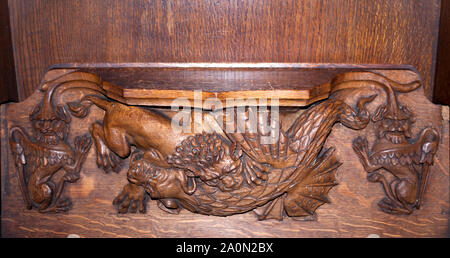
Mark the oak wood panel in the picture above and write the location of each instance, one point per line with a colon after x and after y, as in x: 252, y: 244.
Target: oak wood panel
x: 441, y: 93
x: 8, y: 87
x: 375, y: 32
x: 352, y: 212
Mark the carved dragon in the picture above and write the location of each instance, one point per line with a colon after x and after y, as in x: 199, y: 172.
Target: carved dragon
x: 221, y: 173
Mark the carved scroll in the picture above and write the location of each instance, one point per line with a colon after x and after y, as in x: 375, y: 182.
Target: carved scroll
x: 221, y: 172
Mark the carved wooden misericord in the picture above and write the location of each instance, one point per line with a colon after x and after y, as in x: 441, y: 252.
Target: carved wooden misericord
x: 394, y: 151
x: 214, y: 170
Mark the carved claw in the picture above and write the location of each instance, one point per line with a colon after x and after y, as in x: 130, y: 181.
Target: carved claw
x: 108, y: 161
x: 360, y: 146
x: 82, y: 144
x: 388, y: 206
x: 131, y: 199
x: 62, y: 205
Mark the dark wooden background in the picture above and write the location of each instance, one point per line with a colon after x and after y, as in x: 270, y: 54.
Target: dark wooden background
x: 441, y: 92
x: 44, y: 33
x: 8, y: 86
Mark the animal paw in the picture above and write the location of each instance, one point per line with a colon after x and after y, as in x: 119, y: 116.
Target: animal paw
x: 108, y: 161
x: 62, y: 205
x: 388, y: 206
x: 360, y: 146
x: 132, y: 198
x: 82, y: 144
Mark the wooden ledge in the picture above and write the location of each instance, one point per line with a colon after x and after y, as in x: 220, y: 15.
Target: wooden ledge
x: 159, y: 84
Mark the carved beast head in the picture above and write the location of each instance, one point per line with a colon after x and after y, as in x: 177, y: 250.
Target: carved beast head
x: 159, y: 182
x: 50, y: 127
x: 393, y: 123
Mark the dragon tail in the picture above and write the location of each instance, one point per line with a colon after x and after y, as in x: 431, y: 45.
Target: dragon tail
x: 92, y: 85
x: 81, y: 108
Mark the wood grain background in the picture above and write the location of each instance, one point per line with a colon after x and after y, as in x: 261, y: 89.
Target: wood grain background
x: 441, y: 92
x: 300, y: 31
x: 8, y: 85
x: 353, y: 210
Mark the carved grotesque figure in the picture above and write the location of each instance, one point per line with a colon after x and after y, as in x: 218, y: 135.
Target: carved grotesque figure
x: 38, y: 161
x: 394, y: 151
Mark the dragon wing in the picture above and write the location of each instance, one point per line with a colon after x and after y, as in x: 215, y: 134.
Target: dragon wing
x: 263, y: 139
x: 258, y: 134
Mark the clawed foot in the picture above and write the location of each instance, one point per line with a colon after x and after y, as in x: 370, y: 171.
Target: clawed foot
x: 389, y: 206
x: 62, y: 205
x: 108, y: 160
x: 71, y: 177
x: 82, y: 145
x: 360, y: 146
x: 130, y: 199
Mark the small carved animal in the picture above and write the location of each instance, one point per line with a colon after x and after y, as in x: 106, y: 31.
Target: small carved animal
x: 37, y: 162
x: 408, y: 162
x: 168, y: 185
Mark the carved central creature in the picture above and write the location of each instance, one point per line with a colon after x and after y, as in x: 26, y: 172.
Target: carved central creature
x: 226, y: 173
